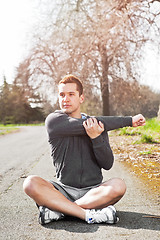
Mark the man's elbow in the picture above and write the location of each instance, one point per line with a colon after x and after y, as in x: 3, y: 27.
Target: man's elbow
x: 109, y: 164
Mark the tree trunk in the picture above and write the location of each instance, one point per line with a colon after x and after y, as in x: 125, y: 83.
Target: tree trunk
x: 104, y: 80
x: 105, y: 98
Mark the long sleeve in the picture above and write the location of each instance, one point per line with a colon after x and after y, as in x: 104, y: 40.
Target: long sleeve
x: 102, y: 151
x: 60, y: 124
x: 111, y: 123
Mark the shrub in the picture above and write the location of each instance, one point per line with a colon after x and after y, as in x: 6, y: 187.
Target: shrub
x: 147, y: 139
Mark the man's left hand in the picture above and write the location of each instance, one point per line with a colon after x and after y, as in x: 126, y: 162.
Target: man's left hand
x: 93, y: 127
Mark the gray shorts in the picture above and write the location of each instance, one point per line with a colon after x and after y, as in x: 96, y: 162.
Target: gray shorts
x: 72, y: 193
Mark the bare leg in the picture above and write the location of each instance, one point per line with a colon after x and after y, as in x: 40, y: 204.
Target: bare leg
x: 106, y: 194
x: 44, y: 194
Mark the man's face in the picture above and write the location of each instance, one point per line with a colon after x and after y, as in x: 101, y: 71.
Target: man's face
x: 69, y: 99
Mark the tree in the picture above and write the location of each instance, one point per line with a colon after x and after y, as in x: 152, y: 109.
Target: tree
x: 134, y: 99
x: 99, y: 41
x: 21, y: 80
x: 15, y: 107
x: 5, y: 99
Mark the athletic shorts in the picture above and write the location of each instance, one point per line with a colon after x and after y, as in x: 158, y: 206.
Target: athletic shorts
x: 72, y: 193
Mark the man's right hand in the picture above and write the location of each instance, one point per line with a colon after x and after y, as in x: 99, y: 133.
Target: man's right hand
x: 138, y: 120
x: 93, y: 127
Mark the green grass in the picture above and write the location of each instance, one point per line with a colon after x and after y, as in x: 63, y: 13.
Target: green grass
x: 150, y: 133
x: 6, y: 130
x: 145, y: 152
x: 21, y: 124
x: 152, y: 125
x: 10, y: 128
x: 129, y: 131
x: 147, y: 139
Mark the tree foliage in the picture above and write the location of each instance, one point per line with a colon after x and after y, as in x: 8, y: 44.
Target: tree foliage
x: 99, y: 41
x: 15, y: 107
x: 130, y: 98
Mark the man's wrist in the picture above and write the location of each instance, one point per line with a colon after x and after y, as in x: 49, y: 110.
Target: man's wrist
x: 95, y: 136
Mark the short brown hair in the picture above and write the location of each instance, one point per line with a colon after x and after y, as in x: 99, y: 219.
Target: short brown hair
x: 72, y: 79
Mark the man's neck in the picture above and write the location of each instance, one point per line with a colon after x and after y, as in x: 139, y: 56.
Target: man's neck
x: 75, y: 115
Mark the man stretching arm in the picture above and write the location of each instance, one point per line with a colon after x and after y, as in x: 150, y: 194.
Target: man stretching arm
x: 80, y: 150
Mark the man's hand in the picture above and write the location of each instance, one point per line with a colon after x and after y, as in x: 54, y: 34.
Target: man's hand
x: 93, y: 128
x: 138, y: 120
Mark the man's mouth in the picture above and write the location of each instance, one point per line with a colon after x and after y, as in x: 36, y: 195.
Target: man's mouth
x: 66, y: 105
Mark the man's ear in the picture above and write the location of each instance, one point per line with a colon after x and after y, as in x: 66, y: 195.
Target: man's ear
x: 81, y: 98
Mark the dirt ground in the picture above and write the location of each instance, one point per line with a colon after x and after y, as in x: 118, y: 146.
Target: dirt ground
x: 142, y: 159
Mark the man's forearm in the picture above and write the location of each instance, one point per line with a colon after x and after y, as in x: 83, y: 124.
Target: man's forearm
x: 102, y: 151
x: 111, y: 123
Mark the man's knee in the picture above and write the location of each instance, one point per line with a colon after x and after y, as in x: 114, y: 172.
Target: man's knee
x: 29, y: 185
x: 119, y: 187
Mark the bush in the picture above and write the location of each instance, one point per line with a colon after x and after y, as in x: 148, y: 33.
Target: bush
x: 147, y: 139
x: 129, y: 131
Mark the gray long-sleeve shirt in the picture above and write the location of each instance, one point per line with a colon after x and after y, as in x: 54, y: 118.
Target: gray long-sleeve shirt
x: 77, y: 158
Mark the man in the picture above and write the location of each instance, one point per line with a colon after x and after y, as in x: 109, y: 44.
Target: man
x: 80, y: 149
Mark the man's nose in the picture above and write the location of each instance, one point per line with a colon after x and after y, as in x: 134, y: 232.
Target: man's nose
x: 66, y: 98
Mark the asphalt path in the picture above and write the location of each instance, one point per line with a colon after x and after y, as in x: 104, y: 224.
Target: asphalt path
x: 27, y: 152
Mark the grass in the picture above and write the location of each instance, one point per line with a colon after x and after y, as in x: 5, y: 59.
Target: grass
x: 22, y: 124
x: 10, y: 128
x: 152, y: 124
x: 5, y: 130
x: 147, y: 139
x: 129, y: 131
x: 150, y: 133
x: 145, y: 152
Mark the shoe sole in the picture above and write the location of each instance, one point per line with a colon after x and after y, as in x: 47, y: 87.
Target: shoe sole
x: 43, y: 220
x: 41, y: 216
x: 115, y: 218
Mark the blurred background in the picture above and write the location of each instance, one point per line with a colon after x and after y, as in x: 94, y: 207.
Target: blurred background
x: 112, y: 46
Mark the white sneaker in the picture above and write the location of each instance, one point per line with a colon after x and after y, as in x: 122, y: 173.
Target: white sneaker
x: 46, y: 215
x: 107, y: 215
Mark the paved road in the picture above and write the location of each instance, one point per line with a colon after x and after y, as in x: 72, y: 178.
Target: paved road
x: 27, y: 152
x: 19, y: 151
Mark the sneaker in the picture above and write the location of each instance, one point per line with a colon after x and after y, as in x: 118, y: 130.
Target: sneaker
x: 47, y: 216
x: 107, y: 215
